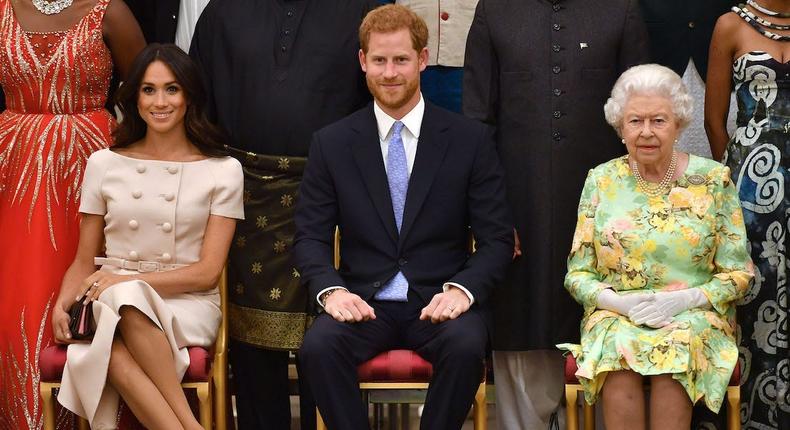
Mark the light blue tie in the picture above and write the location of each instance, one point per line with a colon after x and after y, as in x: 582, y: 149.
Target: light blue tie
x: 397, y: 288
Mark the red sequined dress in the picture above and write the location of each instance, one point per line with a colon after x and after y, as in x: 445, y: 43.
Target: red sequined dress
x: 55, y: 85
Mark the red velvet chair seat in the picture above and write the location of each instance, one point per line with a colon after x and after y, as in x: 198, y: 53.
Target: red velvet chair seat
x: 571, y: 368
x: 53, y: 360
x: 398, y: 365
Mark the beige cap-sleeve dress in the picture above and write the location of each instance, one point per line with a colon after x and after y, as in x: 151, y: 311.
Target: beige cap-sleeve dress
x: 153, y: 211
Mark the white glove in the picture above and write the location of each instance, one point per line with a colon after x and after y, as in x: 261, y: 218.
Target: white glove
x: 666, y: 305
x: 621, y: 303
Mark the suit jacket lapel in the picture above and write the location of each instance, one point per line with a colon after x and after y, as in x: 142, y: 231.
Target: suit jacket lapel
x: 430, y: 152
x: 367, y: 154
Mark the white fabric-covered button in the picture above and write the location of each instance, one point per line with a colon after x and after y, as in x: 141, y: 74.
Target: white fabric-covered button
x: 137, y: 194
x: 133, y: 255
x: 167, y: 227
x: 166, y: 257
x: 169, y: 197
x: 172, y: 170
x: 141, y: 168
x: 133, y: 224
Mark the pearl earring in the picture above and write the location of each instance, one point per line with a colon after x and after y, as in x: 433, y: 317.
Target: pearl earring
x: 622, y: 140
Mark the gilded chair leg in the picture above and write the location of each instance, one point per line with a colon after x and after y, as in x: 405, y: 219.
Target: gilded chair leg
x: 589, y: 415
x: 734, y: 408
x: 319, y: 422
x: 572, y: 414
x: 82, y: 424
x: 204, y: 401
x: 48, y: 403
x: 220, y: 395
x: 480, y: 409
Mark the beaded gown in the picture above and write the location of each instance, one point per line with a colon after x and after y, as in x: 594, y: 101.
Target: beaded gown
x: 759, y: 156
x: 55, y: 85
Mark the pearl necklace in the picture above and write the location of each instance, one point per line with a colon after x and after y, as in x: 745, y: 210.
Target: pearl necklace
x: 654, y: 190
x: 53, y: 7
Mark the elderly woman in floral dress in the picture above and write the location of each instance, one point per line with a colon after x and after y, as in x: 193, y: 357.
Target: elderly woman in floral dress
x: 658, y: 260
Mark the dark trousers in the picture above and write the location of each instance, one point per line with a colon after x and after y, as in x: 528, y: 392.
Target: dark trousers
x: 332, y: 351
x: 260, y: 377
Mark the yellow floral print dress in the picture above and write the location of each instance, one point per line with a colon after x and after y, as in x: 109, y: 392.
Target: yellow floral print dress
x: 692, y: 237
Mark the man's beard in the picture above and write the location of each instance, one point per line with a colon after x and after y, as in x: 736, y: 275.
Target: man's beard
x: 389, y: 100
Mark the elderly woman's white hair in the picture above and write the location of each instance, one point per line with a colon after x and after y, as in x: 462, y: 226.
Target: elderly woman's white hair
x: 649, y: 79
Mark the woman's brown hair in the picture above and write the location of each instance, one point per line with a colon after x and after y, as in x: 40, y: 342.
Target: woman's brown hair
x: 206, y: 136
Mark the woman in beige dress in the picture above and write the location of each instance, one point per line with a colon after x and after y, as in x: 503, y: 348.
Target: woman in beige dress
x: 158, y: 215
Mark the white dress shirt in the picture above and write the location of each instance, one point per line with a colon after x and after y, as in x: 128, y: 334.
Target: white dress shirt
x: 410, y: 134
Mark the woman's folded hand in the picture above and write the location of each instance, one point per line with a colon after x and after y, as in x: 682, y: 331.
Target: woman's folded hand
x: 622, y: 303
x: 60, y: 325
x: 666, y: 305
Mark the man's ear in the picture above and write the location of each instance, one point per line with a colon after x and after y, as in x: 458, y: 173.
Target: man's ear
x: 362, y: 61
x: 423, y: 58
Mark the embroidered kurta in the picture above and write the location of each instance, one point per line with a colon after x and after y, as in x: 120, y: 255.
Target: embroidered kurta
x: 692, y: 237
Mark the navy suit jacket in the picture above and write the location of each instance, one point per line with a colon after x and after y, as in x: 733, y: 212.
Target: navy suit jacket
x: 456, y: 183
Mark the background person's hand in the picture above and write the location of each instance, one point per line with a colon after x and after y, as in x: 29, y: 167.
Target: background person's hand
x: 516, y: 245
x: 448, y: 305
x: 345, y: 306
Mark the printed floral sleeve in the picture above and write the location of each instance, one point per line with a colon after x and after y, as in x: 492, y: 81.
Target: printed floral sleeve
x: 583, y: 280
x: 733, y: 269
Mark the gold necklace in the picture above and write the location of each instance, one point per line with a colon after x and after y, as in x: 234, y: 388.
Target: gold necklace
x: 653, y: 190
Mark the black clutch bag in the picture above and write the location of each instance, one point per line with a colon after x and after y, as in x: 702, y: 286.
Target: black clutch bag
x: 81, y: 319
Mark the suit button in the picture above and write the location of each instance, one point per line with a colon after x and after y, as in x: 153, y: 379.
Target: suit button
x: 376, y: 284
x: 556, y: 27
x: 444, y: 16
x: 556, y: 8
x: 133, y: 255
x: 169, y: 197
x: 165, y: 257
x: 290, y: 14
x: 557, y: 92
x: 402, y: 262
x: 172, y: 170
x: 167, y: 227
x: 556, y: 70
x: 137, y: 194
x: 133, y: 224
x: 691, y: 24
x: 557, y: 114
x: 556, y: 48
x: 557, y: 136
x: 141, y: 168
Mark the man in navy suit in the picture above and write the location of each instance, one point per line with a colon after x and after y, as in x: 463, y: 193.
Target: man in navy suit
x: 404, y: 181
